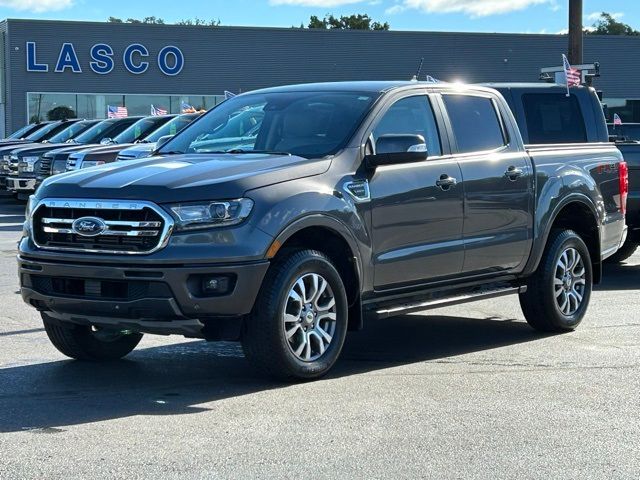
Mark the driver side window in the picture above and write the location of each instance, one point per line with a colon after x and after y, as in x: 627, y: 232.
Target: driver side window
x: 411, y: 116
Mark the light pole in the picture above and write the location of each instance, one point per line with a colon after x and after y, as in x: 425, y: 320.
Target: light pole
x: 575, y: 32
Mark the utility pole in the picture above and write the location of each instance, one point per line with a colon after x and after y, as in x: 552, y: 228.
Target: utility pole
x: 575, y: 32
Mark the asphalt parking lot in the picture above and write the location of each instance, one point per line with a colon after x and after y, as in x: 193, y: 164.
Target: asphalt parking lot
x: 463, y: 392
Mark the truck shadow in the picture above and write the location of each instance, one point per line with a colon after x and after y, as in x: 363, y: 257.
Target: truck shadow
x: 622, y: 276
x: 177, y: 379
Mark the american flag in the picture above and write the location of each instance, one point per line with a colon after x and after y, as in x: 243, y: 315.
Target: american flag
x: 157, y: 111
x: 573, y: 76
x: 616, y: 119
x: 117, y: 112
x: 186, y: 108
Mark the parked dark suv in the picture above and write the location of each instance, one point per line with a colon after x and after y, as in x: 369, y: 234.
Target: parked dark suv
x: 352, y: 200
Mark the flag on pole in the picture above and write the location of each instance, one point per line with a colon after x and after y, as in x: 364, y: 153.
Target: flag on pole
x: 186, y: 108
x: 616, y: 119
x: 155, y: 112
x: 228, y: 94
x: 117, y: 112
x: 573, y: 76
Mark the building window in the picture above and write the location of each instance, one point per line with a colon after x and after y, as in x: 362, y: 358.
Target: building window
x: 40, y: 105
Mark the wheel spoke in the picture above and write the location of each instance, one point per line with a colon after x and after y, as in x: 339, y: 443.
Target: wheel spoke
x: 328, y: 306
x: 292, y: 331
x: 565, y: 301
x: 324, y: 334
x: 302, y: 289
x: 288, y: 318
x: 303, y: 345
x: 319, y: 291
x: 326, y: 315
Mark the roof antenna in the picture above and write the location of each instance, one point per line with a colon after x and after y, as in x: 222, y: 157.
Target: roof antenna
x: 417, y: 75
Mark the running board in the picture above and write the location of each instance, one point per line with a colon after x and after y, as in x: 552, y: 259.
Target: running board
x: 448, y: 301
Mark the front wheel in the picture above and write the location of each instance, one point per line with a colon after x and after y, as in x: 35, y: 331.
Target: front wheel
x: 558, y: 293
x: 299, y: 322
x: 89, y: 343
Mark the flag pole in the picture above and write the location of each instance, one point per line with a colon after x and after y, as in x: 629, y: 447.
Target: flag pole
x: 566, y: 78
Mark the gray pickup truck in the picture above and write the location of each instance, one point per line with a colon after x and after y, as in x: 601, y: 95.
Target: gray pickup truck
x: 353, y: 200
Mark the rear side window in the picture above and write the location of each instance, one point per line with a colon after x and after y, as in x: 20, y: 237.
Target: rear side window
x: 475, y: 123
x: 408, y: 116
x: 553, y: 118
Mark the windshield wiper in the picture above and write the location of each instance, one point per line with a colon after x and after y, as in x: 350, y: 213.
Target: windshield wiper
x: 171, y: 152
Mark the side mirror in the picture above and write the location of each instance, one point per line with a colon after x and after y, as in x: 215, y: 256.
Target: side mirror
x: 394, y: 149
x: 106, y: 141
x: 162, y: 141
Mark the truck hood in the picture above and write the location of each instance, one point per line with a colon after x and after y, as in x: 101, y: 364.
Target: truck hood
x: 182, y: 178
x: 137, y: 151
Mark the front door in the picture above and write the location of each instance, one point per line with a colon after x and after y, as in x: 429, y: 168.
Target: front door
x: 417, y: 208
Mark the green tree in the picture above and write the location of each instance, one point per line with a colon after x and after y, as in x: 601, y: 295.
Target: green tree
x: 346, y: 22
x: 61, y: 113
x: 198, y: 22
x: 607, y: 25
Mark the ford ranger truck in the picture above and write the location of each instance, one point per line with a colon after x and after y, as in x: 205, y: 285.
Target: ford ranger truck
x: 354, y: 200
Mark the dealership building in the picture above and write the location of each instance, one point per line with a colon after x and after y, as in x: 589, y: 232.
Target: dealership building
x: 88, y: 66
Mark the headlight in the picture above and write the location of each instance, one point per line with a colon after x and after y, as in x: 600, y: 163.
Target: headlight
x: 59, y: 166
x: 91, y: 163
x: 190, y: 216
x: 31, y: 203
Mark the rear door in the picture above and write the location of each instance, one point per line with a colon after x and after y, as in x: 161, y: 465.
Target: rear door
x: 416, y: 207
x: 497, y: 179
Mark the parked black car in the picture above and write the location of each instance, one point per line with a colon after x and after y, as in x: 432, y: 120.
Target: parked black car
x: 55, y: 161
x: 41, y: 135
x: 108, y: 153
x: 24, y: 161
x: 355, y: 199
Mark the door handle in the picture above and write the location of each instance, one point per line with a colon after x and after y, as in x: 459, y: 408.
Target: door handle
x: 513, y: 173
x: 445, y: 182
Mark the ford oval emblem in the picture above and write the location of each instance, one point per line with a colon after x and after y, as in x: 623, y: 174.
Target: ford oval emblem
x: 89, y: 226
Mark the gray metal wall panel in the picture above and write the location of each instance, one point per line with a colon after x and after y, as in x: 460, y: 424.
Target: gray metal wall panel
x: 245, y: 58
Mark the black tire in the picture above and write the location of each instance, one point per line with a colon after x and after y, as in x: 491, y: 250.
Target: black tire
x: 86, y: 343
x: 538, y: 303
x: 264, y: 339
x: 627, y: 249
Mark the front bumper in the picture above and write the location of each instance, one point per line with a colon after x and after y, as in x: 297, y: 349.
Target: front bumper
x: 159, y: 299
x: 21, y: 184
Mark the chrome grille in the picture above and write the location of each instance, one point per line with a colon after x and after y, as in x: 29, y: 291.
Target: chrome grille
x: 128, y: 227
x: 13, y: 165
x: 45, y: 166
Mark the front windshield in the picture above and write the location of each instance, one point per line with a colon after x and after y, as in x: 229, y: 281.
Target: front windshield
x: 94, y: 134
x: 172, y: 127
x: 70, y: 132
x: 43, y: 133
x: 21, y: 131
x: 140, y: 129
x: 308, y: 124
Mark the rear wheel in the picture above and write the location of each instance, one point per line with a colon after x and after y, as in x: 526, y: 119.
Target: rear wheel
x: 627, y: 249
x: 90, y: 343
x: 558, y: 294
x: 299, y: 322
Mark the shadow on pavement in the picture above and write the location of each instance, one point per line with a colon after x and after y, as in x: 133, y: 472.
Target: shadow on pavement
x: 174, y: 379
x: 622, y: 276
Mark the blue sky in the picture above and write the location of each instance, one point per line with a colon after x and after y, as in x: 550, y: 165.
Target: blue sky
x: 531, y: 16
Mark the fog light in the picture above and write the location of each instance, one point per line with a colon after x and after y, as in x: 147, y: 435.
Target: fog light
x: 215, y: 285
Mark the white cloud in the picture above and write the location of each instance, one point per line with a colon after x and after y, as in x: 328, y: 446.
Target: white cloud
x: 37, y: 6
x: 475, y: 8
x: 395, y: 9
x: 314, y: 3
x: 596, y: 16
